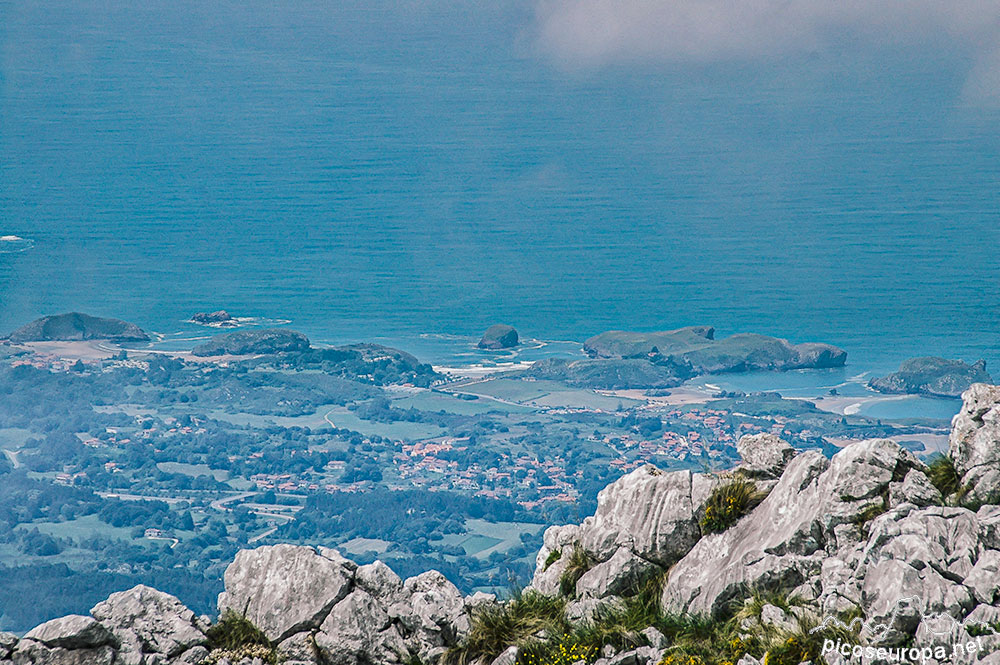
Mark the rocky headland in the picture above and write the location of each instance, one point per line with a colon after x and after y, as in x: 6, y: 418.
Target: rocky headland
x: 938, y: 377
x: 74, y: 326
x: 619, y: 359
x: 775, y: 561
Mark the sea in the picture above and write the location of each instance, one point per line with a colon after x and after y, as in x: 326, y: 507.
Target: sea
x: 413, y: 172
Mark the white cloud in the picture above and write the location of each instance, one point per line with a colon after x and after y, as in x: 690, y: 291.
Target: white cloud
x: 593, y: 32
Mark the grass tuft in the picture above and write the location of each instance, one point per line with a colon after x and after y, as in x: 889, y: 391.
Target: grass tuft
x: 553, y: 556
x: 728, y: 503
x: 579, y: 563
x: 518, y: 622
x: 943, y: 475
x: 235, y: 637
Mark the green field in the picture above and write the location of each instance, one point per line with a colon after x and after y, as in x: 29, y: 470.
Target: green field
x: 12, y: 438
x: 483, y: 538
x: 81, y: 527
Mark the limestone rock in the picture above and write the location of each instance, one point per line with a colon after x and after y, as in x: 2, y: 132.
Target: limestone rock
x: 974, y: 444
x: 553, y: 557
x: 584, y: 609
x: 30, y: 652
x: 648, y: 511
x: 358, y: 630
x: 433, y: 615
x: 380, y: 581
x: 193, y: 656
x: 149, y: 621
x: 299, y: 648
x: 7, y: 642
x: 284, y: 589
x: 614, y: 577
x: 656, y: 639
x: 912, y: 567
x: 915, y: 488
x: 984, y: 580
x: 811, y: 513
x: 72, y: 632
x: 508, y: 657
x: 764, y: 455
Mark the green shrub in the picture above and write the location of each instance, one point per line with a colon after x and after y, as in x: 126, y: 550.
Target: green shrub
x: 579, y: 563
x: 728, y: 503
x: 235, y: 637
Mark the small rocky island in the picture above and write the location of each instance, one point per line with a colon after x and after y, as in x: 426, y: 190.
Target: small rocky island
x: 253, y: 342
x: 75, y: 327
x: 499, y: 336
x: 937, y: 377
x: 220, y: 319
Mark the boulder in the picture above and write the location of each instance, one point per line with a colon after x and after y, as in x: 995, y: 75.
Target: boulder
x: 974, y: 444
x: 764, y: 455
x: 72, y: 632
x: 499, y: 336
x: 299, y: 649
x: 984, y: 579
x: 917, y: 489
x: 145, y: 620
x: 7, y: 643
x: 380, y: 581
x: 193, y: 656
x: 648, y: 511
x: 552, y: 559
x: 616, y: 576
x: 508, y: 657
x: 285, y: 589
x: 433, y: 614
x: 30, y: 652
x: 359, y: 630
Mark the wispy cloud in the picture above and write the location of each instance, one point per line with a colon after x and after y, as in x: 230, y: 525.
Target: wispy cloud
x: 594, y: 32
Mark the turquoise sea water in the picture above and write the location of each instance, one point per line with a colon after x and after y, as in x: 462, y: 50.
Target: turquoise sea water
x: 397, y: 170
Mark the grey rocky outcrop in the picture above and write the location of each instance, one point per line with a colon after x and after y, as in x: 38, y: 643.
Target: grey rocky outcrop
x: 764, y: 455
x: 285, y: 589
x: 810, y: 514
x: 974, y: 444
x: 145, y: 621
x: 644, y: 520
x: 322, y: 607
